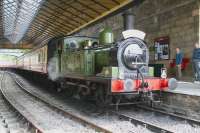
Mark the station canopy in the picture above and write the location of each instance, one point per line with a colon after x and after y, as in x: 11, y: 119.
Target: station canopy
x: 36, y: 21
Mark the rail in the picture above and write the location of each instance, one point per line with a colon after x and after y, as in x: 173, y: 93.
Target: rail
x: 189, y: 120
x: 56, y: 107
x: 147, y: 125
x: 35, y: 128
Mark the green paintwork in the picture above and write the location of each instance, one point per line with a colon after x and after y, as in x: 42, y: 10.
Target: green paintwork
x: 106, y: 36
x: 109, y: 72
x: 84, y: 62
x: 81, y: 59
x: 101, y: 60
x: 151, y: 71
x: 77, y: 62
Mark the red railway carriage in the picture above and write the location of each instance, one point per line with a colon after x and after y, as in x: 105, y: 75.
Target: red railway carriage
x: 35, y: 60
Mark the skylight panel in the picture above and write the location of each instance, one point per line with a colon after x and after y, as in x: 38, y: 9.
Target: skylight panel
x: 17, y: 18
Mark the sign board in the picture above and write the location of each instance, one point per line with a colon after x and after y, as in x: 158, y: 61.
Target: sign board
x: 162, y: 50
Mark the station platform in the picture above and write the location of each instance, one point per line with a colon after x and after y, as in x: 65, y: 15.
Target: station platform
x: 183, y: 100
x: 188, y: 88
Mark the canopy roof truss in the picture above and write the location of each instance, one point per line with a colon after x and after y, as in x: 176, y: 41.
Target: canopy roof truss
x: 37, y: 21
x: 17, y: 16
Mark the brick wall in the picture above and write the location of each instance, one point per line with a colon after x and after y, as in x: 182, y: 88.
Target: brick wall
x: 178, y: 19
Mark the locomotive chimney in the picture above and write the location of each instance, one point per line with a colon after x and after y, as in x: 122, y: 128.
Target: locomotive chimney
x: 129, y: 30
x: 128, y: 18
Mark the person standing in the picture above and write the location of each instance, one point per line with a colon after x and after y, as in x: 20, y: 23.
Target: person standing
x: 196, y: 61
x: 179, y: 59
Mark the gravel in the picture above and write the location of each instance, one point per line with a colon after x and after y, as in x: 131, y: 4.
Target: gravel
x: 86, y: 111
x: 10, y: 122
x: 165, y: 122
x: 48, y: 119
x: 108, y: 121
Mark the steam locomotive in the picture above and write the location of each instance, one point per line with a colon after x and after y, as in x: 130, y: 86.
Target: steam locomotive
x: 99, y: 68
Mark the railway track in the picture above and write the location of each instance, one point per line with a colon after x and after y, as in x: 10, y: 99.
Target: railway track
x: 13, y: 120
x: 56, y: 108
x: 153, y: 127
x: 184, y: 124
x: 135, y: 121
x: 191, y: 121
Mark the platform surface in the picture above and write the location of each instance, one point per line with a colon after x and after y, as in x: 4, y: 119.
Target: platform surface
x: 188, y: 88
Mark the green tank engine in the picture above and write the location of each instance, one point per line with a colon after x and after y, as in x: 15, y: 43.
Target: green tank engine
x: 103, y: 69
x: 86, y: 56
